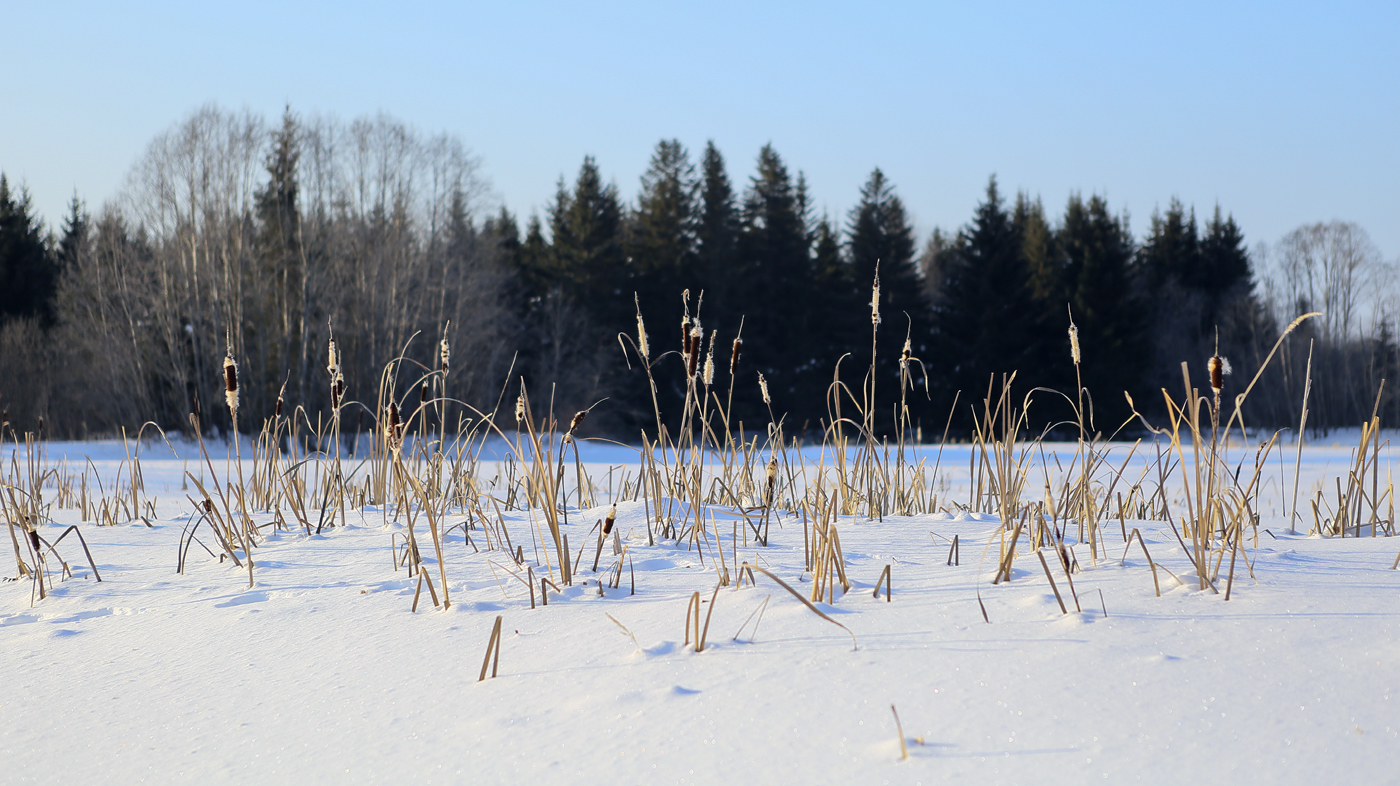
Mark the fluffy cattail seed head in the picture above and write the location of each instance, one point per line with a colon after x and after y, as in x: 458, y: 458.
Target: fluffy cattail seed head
x: 1074, y: 343
x: 642, y: 338
x: 519, y: 409
x: 332, y: 357
x: 907, y: 353
x: 709, y: 374
x: 578, y: 418
x: 444, y: 356
x: 875, y: 302
x: 1219, y: 368
x: 763, y: 388
x: 393, y: 429
x: 231, y: 383
x: 337, y: 389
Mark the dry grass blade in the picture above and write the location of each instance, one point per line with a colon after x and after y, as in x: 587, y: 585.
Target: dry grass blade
x: 805, y: 602
x: 493, y: 651
x: 899, y: 727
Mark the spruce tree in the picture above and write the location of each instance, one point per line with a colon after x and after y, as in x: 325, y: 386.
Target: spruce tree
x: 1098, y: 251
x: 775, y: 285
x: 28, y: 272
x: 662, y: 239
x: 76, y: 241
x: 587, y: 248
x: 880, y: 235
x: 985, y: 319
x: 717, y: 231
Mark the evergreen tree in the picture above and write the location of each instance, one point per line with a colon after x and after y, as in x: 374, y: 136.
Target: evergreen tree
x: 279, y: 320
x: 1098, y: 251
x: 776, y: 284
x: 76, y: 240
x: 880, y: 235
x: 662, y: 241
x: 587, y: 248
x: 28, y: 272
x: 1043, y: 261
x: 717, y: 232
x: 985, y: 319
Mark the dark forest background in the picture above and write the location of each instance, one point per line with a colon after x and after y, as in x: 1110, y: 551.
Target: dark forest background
x: 271, y: 237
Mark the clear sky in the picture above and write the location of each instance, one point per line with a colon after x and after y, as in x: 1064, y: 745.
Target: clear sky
x: 1282, y: 113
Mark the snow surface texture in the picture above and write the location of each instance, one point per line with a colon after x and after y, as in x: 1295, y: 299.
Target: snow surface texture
x: 320, y: 672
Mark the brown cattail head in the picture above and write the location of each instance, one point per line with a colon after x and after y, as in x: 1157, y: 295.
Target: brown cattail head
x: 208, y: 505
x: 772, y: 472
x: 763, y: 388
x: 697, y: 342
x: 423, y: 394
x: 734, y: 355
x: 685, y: 334
x: 337, y: 389
x: 278, y: 411
x: 608, y: 522
x: 1074, y: 343
x: 41, y: 427
x: 578, y: 418
x: 393, y: 429
x: 231, y: 383
x: 1219, y: 368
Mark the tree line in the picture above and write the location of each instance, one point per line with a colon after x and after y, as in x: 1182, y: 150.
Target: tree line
x: 267, y: 240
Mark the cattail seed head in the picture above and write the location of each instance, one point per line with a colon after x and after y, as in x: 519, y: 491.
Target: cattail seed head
x: 393, y: 429
x: 337, y: 389
x: 278, y: 411
x: 332, y: 357
x: 734, y: 355
x: 906, y: 354
x: 696, y: 343
x: 1074, y: 342
x: 875, y: 302
x: 444, y: 356
x: 772, y: 472
x: 763, y: 388
x: 642, y: 338
x: 1219, y: 368
x: 608, y: 522
x: 685, y: 334
x: 519, y: 409
x: 709, y: 375
x: 231, y: 383
x: 578, y: 418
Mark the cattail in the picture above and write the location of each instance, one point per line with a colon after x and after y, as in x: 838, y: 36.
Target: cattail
x: 696, y: 342
x: 709, y: 375
x: 875, y: 301
x: 685, y: 333
x: 520, y: 409
x: 332, y: 357
x: 772, y: 474
x: 423, y: 394
x: 1219, y: 368
x: 1074, y: 342
x: 608, y: 523
x: 278, y: 411
x: 444, y: 356
x: 904, y: 356
x: 337, y: 389
x: 231, y: 383
x: 393, y: 430
x: 734, y: 355
x: 642, y: 337
x: 763, y: 388
x: 578, y: 418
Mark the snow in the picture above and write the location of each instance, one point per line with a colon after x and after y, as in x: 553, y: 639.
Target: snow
x: 321, y: 673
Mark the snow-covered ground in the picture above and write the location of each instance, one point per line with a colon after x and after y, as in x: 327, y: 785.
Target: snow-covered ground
x: 321, y: 673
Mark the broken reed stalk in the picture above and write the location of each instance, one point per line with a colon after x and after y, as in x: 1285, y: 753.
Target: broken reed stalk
x: 899, y: 727
x: 493, y: 651
x: 805, y: 602
x: 1051, y: 579
x: 884, y: 579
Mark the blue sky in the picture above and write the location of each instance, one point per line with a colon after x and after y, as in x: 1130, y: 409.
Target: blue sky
x: 1282, y: 113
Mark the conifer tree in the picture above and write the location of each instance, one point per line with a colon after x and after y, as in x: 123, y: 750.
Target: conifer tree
x: 1098, y: 251
x: 77, y: 235
x: 985, y: 317
x: 587, y: 248
x: 717, y: 231
x: 880, y: 235
x: 28, y: 272
x: 662, y: 239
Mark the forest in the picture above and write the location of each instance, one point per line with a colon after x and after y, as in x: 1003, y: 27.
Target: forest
x: 265, y: 240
